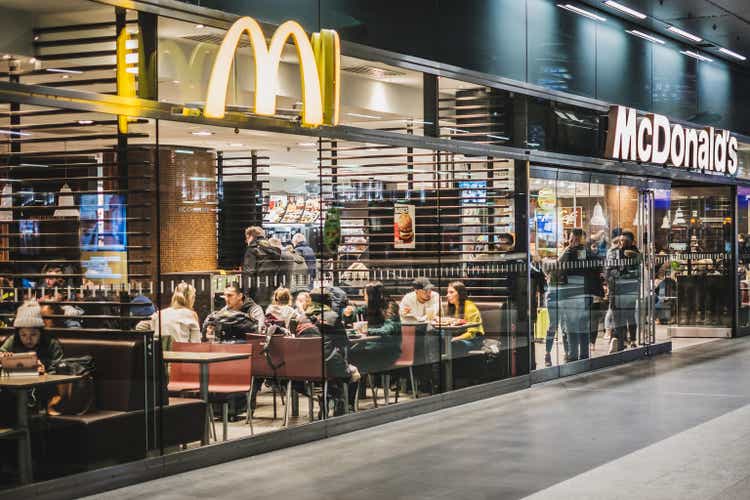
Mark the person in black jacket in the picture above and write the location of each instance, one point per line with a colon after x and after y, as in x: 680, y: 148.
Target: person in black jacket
x: 580, y: 282
x: 262, y: 264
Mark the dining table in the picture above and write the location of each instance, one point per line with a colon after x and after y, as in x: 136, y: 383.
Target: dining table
x: 204, y: 360
x: 21, y: 386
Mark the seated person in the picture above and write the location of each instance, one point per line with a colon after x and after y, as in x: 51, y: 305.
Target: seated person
x: 240, y: 315
x: 314, y: 303
x: 280, y: 311
x: 459, y: 306
x: 421, y: 305
x: 382, y: 321
x: 178, y: 322
x: 31, y: 337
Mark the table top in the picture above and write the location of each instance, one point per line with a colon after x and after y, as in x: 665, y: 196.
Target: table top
x: 457, y: 327
x: 35, y: 380
x: 202, y: 357
x: 364, y: 338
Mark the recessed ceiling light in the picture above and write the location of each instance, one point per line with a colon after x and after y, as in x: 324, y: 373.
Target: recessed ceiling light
x: 199, y: 26
x: 696, y: 55
x: 202, y: 132
x: 685, y: 34
x: 581, y: 12
x: 6, y: 56
x: 176, y: 82
x: 646, y: 36
x: 64, y: 77
x: 626, y: 10
x: 235, y: 145
x: 732, y: 54
x: 36, y: 37
x: 32, y: 60
x: 306, y: 144
x: 85, y: 122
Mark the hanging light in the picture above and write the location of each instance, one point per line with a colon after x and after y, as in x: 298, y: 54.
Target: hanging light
x: 679, y: 218
x: 66, y: 203
x: 665, y: 224
x: 598, y: 217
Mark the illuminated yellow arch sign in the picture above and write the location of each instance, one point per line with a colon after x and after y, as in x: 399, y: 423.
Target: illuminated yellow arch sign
x: 319, y: 64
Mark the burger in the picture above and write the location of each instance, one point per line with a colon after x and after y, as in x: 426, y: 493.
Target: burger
x: 405, y: 228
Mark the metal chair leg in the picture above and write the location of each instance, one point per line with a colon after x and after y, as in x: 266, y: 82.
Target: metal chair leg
x: 250, y: 393
x: 356, y: 396
x: 225, y: 419
x: 373, y: 389
x: 287, y: 410
x: 211, y: 419
x: 386, y: 380
x: 310, y: 401
x: 413, y: 385
x: 325, y: 400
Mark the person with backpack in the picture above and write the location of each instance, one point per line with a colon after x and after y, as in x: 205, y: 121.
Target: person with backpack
x: 240, y: 316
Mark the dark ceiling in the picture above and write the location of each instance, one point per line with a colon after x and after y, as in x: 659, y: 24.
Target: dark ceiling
x: 724, y: 23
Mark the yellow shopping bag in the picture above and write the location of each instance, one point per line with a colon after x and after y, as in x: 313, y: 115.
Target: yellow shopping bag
x: 542, y: 323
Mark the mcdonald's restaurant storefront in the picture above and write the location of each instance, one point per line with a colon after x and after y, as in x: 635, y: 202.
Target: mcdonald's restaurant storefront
x: 262, y: 237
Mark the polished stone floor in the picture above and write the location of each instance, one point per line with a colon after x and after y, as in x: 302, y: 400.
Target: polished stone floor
x: 676, y: 426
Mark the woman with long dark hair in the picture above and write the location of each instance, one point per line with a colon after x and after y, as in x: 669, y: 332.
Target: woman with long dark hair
x: 460, y: 307
x: 382, y: 321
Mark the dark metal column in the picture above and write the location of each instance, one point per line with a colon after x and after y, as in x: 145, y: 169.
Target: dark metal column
x: 431, y: 91
x: 148, y: 83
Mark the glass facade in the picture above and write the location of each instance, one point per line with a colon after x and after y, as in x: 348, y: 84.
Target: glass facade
x: 204, y: 282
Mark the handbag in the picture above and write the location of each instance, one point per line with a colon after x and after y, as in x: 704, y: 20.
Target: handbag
x: 77, y: 397
x: 542, y: 323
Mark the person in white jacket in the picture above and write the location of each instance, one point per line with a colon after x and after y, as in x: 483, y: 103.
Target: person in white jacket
x: 179, y: 320
x: 421, y: 305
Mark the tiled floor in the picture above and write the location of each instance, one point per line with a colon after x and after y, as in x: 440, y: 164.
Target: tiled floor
x: 674, y: 426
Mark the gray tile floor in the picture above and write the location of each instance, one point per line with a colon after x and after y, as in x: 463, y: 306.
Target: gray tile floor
x: 676, y: 426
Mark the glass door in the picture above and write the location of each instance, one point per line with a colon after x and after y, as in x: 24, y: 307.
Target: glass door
x: 646, y: 301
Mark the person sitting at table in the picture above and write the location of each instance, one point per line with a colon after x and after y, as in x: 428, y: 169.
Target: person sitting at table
x: 179, y: 321
x: 240, y: 315
x: 459, y: 306
x: 422, y: 304
x: 280, y: 311
x: 29, y: 336
x: 383, y: 322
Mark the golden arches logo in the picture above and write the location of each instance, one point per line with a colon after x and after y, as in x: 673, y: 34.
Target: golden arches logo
x: 319, y: 64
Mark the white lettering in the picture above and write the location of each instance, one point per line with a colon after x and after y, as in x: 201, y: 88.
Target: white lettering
x: 645, y: 130
x: 621, y: 141
x: 677, y: 146
x: 703, y: 150
x: 660, y: 139
x: 654, y: 140
x: 732, y: 156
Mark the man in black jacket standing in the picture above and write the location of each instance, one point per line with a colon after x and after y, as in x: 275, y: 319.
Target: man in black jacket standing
x: 261, y: 264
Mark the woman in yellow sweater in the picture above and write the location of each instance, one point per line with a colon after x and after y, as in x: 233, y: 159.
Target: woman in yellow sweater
x: 459, y: 306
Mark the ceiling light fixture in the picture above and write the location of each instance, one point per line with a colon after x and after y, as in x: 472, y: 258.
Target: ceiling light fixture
x: 85, y: 122
x: 626, y: 10
x: 732, y: 54
x: 646, y: 36
x: 183, y: 151
x: 62, y: 70
x: 6, y: 57
x: 199, y: 26
x: 306, y: 144
x: 359, y: 115
x: 685, y: 34
x: 581, y: 12
x: 202, y: 133
x: 13, y: 132
x: 235, y: 145
x: 696, y: 55
x: 33, y: 60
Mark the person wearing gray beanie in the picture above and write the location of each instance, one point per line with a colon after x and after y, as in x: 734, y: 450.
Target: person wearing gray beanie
x: 31, y: 337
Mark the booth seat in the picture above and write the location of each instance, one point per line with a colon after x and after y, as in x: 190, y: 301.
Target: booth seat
x: 124, y: 421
